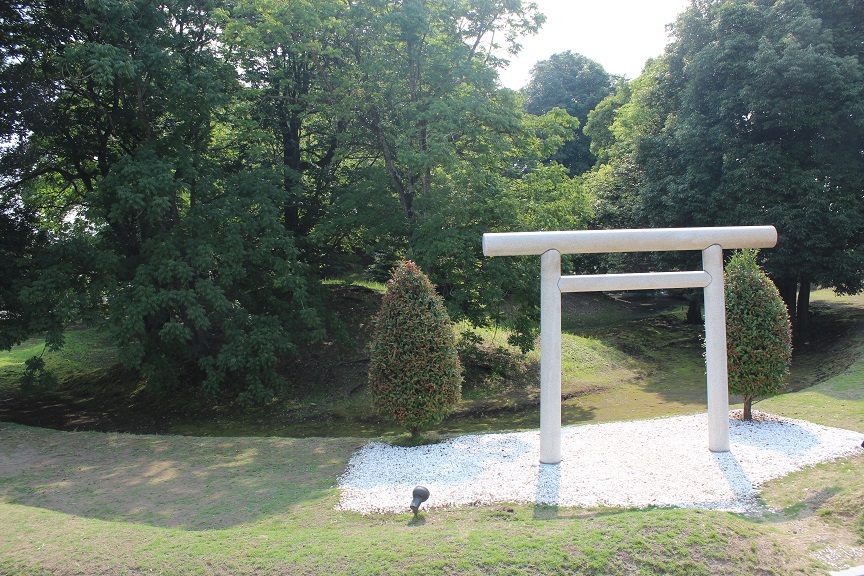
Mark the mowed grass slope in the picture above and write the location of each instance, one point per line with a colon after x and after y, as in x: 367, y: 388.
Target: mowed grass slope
x: 87, y: 353
x: 93, y: 503
x: 96, y: 503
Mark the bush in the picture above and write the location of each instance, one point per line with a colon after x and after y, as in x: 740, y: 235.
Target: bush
x: 414, y: 374
x: 758, y: 331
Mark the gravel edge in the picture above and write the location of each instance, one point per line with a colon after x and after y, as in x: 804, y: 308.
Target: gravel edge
x: 636, y: 464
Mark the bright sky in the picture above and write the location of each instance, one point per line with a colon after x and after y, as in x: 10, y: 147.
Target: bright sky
x: 619, y: 34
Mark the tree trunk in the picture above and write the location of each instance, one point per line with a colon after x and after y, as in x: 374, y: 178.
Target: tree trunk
x: 788, y: 288
x: 801, y: 326
x: 406, y: 194
x: 748, y: 408
x: 694, y: 310
x: 291, y: 128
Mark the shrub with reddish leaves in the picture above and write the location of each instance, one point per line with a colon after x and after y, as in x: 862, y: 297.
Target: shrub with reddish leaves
x: 758, y: 331
x: 414, y: 373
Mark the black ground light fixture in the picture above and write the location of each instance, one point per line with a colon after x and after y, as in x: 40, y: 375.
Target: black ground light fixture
x: 419, y: 495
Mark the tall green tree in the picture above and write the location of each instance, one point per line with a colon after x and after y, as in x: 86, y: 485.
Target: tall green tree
x: 454, y: 148
x: 134, y: 174
x: 767, y: 132
x: 291, y: 58
x: 576, y: 84
x: 760, y: 122
x: 429, y: 82
x: 187, y: 170
x: 620, y: 128
x: 48, y: 270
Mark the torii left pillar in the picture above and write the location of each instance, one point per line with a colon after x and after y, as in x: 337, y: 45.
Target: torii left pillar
x: 550, y: 357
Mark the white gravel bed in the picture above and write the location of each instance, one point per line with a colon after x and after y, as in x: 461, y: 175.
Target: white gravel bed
x: 661, y: 462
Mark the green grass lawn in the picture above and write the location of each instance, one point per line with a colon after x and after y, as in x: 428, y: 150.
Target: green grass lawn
x: 86, y: 353
x: 95, y: 503
x: 90, y: 503
x: 837, y: 400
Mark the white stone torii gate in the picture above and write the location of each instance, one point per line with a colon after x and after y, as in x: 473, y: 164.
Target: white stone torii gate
x: 550, y: 245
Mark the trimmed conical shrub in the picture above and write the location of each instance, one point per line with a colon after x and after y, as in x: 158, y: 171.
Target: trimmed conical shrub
x: 758, y: 331
x: 414, y: 373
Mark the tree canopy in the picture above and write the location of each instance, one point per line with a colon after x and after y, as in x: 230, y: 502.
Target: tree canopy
x: 575, y: 84
x: 752, y: 116
x: 190, y: 170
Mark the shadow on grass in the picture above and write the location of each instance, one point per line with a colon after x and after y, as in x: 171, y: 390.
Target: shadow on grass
x: 418, y: 520
x: 671, y: 355
x: 176, y: 482
x: 833, y: 345
x: 808, y: 506
x: 517, y: 418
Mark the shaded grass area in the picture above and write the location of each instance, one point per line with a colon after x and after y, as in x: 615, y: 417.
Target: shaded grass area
x: 327, y: 392
x: 93, y: 503
x: 170, y: 482
x: 93, y: 392
x: 828, y: 382
x: 610, y: 372
x: 622, y: 359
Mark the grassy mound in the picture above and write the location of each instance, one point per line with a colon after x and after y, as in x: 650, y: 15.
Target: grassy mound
x: 622, y: 358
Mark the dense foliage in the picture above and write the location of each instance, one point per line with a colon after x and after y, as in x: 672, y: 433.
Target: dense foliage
x: 758, y: 331
x: 415, y: 376
x: 752, y: 116
x: 150, y: 221
x: 190, y: 170
x: 573, y: 83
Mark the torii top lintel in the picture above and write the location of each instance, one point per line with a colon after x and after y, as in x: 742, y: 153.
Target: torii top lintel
x: 633, y: 240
